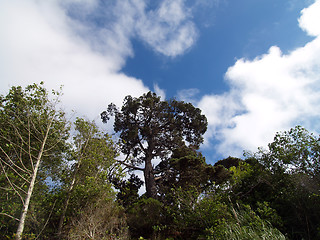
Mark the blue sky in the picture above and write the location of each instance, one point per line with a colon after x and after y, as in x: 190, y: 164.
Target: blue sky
x: 227, y: 31
x: 252, y: 66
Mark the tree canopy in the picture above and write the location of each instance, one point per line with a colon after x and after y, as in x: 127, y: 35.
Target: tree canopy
x: 66, y: 179
x: 33, y: 133
x: 150, y: 129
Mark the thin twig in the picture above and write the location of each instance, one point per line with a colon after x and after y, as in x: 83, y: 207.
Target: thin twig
x: 47, y: 220
x: 11, y: 182
x: 5, y: 214
x: 12, y: 168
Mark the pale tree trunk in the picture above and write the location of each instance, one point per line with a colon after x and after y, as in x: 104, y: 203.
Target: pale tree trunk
x: 31, y: 186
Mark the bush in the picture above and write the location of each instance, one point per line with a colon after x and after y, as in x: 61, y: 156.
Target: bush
x: 245, y: 225
x: 144, y: 217
x: 100, y: 221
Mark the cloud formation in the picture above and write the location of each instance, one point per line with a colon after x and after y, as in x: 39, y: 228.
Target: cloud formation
x: 168, y: 30
x: 83, y: 45
x: 160, y: 92
x: 270, y: 93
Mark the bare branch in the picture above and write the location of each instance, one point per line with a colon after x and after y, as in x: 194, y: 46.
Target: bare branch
x: 13, y: 164
x: 129, y: 165
x: 5, y: 214
x: 158, y: 178
x: 29, y: 144
x: 21, y: 150
x: 47, y: 220
x: 11, y: 184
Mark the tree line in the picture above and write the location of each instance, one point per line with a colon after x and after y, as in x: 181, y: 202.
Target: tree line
x: 63, y: 179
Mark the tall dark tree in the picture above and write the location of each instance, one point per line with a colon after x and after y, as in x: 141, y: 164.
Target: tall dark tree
x: 151, y: 129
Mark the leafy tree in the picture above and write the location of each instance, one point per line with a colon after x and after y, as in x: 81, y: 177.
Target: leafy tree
x: 186, y: 168
x: 94, y: 163
x: 294, y: 159
x: 128, y: 190
x: 296, y: 150
x: 33, y: 135
x: 143, y: 216
x: 151, y: 129
x: 285, y: 177
x: 222, y: 171
x: 228, y: 162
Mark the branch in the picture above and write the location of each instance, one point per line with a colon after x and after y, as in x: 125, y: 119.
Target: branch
x: 60, y: 139
x: 141, y: 145
x: 16, y: 152
x: 5, y: 214
x: 12, y: 167
x: 29, y: 145
x: 158, y: 178
x: 11, y: 184
x: 47, y: 220
x: 129, y: 165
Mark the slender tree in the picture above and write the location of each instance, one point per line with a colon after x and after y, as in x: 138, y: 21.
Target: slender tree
x: 33, y: 133
x: 151, y: 129
x: 94, y: 157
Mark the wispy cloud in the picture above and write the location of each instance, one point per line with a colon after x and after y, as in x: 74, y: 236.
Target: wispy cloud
x: 168, y: 29
x: 273, y: 92
x: 188, y: 95
x: 83, y: 45
x: 160, y: 92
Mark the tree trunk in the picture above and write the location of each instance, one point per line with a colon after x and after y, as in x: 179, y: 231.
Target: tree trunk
x: 70, y: 190
x: 31, y: 186
x: 150, y: 181
x: 66, y: 203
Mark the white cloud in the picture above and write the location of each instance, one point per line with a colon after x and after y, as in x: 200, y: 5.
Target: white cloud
x: 83, y: 46
x: 310, y: 19
x: 160, y: 92
x: 188, y: 95
x: 268, y: 94
x: 40, y: 46
x: 169, y: 30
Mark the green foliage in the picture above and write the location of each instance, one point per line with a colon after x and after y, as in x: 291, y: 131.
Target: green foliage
x: 150, y: 128
x: 286, y: 176
x: 128, y: 190
x: 295, y: 150
x: 241, y: 172
x: 185, y: 169
x: 80, y: 185
x: 33, y: 134
x: 144, y: 216
x: 87, y: 179
x: 267, y: 213
x: 245, y: 224
x: 190, y: 215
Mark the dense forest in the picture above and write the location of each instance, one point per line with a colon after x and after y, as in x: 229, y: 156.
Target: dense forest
x: 66, y: 179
